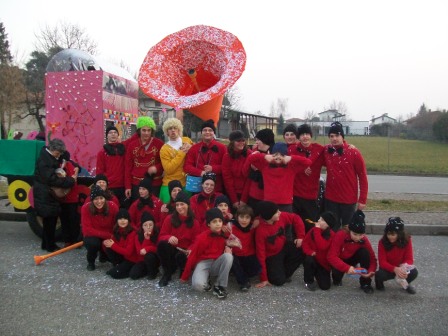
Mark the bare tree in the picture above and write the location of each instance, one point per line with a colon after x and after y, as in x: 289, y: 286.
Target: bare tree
x: 279, y: 108
x: 341, y: 107
x: 233, y: 97
x: 310, y: 115
x: 64, y: 36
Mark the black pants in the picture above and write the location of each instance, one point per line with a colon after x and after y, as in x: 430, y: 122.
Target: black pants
x: 170, y: 258
x: 382, y: 275
x: 361, y: 257
x: 343, y: 211
x: 121, y: 267
x: 253, y: 202
x: 245, y: 267
x: 149, y: 266
x: 312, y: 269
x: 306, y: 209
x: 119, y: 192
x: 70, y: 222
x: 49, y: 233
x: 93, y: 245
x: 282, y: 266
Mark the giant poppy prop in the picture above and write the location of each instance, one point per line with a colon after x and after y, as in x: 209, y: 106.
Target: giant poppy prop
x: 192, y: 69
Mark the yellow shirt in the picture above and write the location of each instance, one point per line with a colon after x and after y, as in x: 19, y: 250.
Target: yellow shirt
x: 173, y: 163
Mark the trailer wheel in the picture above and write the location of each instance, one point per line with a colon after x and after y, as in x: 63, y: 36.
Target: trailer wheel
x: 35, y: 223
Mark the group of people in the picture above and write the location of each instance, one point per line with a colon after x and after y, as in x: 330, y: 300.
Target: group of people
x: 255, y: 214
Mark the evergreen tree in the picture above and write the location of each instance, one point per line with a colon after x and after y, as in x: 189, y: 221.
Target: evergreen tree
x: 280, y: 125
x: 5, y: 53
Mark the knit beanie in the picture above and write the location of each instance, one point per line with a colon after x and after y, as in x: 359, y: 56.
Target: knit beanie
x: 358, y: 224
x: 266, y: 136
x: 146, y: 121
x: 208, y: 176
x: 267, y: 209
x: 222, y: 199
x: 182, y: 197
x: 213, y: 213
x: 123, y: 213
x: 96, y: 191
x: 209, y: 123
x: 146, y: 183
x: 280, y: 147
x: 111, y: 128
x: 236, y: 135
x: 290, y: 128
x: 304, y: 129
x: 336, y: 128
x: 146, y: 217
x: 100, y: 177
x: 329, y: 218
x: 394, y: 224
x: 174, y: 184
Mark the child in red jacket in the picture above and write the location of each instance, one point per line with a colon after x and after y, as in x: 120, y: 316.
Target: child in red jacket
x: 396, y: 258
x: 210, y: 256
x: 145, y: 244
x: 315, y: 247
x: 245, y: 263
x: 120, y: 248
x: 348, y: 249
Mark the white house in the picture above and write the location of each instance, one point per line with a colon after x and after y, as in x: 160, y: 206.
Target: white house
x: 383, y: 119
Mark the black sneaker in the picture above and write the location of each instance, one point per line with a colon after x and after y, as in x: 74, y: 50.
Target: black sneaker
x: 164, y: 280
x: 367, y: 289
x: 311, y: 286
x: 90, y: 267
x: 208, y: 287
x: 220, y: 292
x: 103, y: 258
x: 379, y: 286
x: 410, y: 290
x: 337, y: 283
x: 245, y: 287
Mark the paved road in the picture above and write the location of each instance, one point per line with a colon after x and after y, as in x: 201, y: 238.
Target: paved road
x: 59, y: 297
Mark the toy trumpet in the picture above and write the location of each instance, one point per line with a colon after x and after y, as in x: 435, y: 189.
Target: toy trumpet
x: 39, y: 259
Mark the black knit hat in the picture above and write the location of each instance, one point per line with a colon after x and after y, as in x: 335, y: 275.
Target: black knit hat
x: 96, y: 191
x: 208, y: 176
x: 182, y: 197
x: 100, y: 177
x: 266, y: 136
x: 336, y: 128
x: 329, y: 218
x: 123, y: 213
x: 222, y: 199
x: 146, y: 183
x: 358, y: 224
x: 304, y: 129
x: 267, y: 209
x: 213, y: 213
x: 394, y: 224
x: 290, y: 128
x: 111, y: 128
x: 280, y: 147
x: 174, y: 184
x: 146, y: 216
x: 236, y: 135
x: 209, y: 123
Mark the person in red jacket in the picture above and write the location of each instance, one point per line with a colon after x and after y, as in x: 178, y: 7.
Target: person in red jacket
x: 147, y: 201
x: 396, y: 256
x: 348, y: 249
x: 222, y: 202
x: 174, y: 187
x: 210, y: 257
x: 143, y: 158
x: 97, y: 222
x: 235, y: 180
x: 102, y: 181
x: 245, y: 263
x: 206, y: 156
x: 110, y: 162
x: 278, y: 170
x: 315, y: 247
x: 120, y: 248
x: 346, y: 183
x: 205, y: 200
x: 290, y: 137
x: 145, y: 244
x: 307, y: 181
x: 278, y: 242
x: 177, y: 235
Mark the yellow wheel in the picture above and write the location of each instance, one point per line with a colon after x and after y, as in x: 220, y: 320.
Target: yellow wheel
x: 18, y: 194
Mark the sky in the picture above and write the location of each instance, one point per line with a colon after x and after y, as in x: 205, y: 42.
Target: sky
x: 376, y: 57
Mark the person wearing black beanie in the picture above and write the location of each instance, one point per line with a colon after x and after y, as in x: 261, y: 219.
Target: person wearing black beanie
x: 266, y: 136
x: 350, y: 248
x: 278, y: 243
x: 182, y: 197
x: 290, y: 137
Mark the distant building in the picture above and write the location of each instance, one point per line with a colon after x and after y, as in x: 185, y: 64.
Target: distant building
x: 383, y: 119
x: 325, y: 118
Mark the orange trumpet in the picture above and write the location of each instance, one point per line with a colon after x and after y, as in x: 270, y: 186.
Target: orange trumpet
x: 39, y: 259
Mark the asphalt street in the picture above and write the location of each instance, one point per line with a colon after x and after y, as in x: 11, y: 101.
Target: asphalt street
x: 60, y: 297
